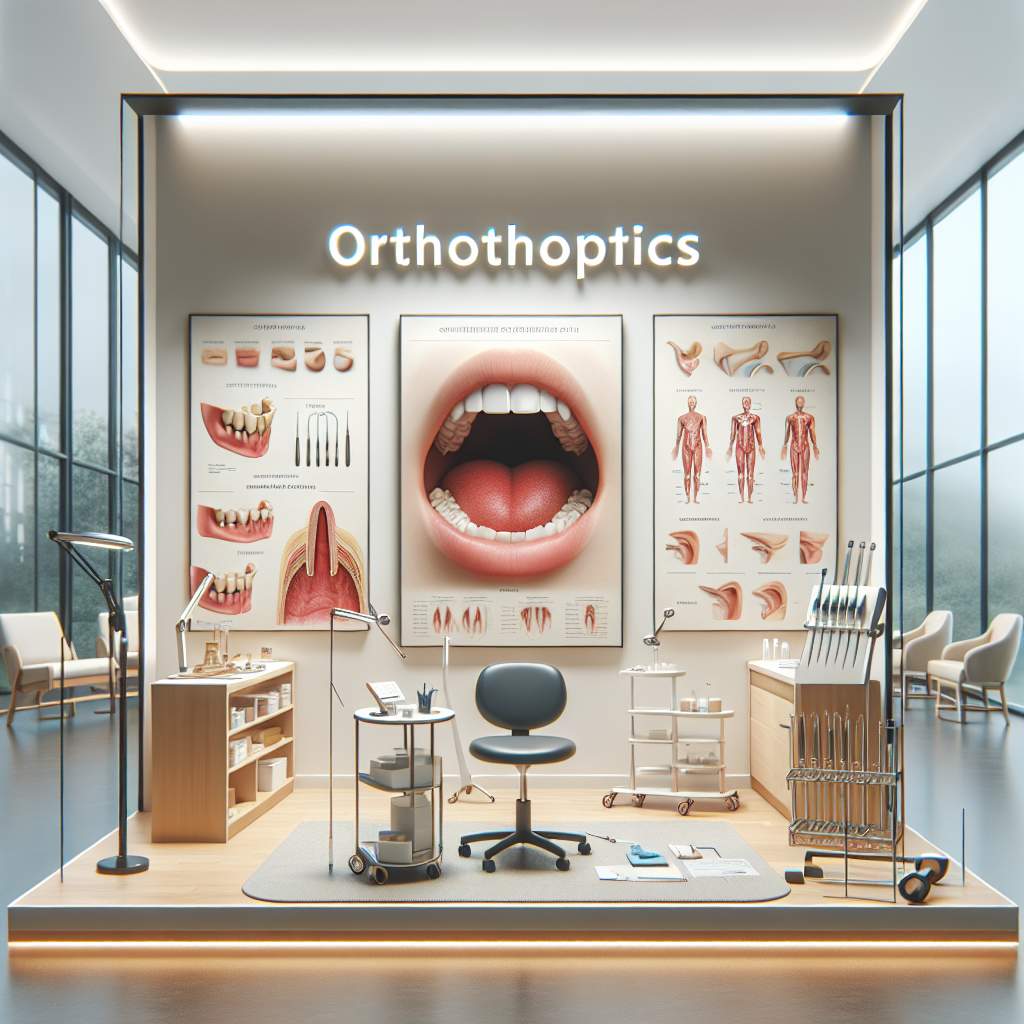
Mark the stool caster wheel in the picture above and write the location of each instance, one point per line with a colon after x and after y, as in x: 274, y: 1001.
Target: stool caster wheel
x: 356, y: 864
x: 465, y: 850
x: 732, y: 803
x: 584, y: 848
x: 683, y: 807
x: 433, y: 871
x: 638, y: 799
x: 379, y: 875
x: 562, y: 864
x: 608, y: 799
x: 488, y: 865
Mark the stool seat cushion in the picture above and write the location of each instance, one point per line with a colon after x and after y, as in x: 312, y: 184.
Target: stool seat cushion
x: 951, y: 671
x: 532, y: 749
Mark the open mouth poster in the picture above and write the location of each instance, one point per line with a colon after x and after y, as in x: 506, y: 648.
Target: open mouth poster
x: 279, y: 441
x: 511, y: 480
x: 745, y: 457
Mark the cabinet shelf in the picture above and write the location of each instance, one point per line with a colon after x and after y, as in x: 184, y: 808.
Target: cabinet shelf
x: 256, y: 722
x: 241, y: 814
x: 258, y: 755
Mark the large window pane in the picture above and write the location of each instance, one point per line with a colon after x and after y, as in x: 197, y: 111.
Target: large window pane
x: 956, y: 335
x: 130, y: 528
x: 130, y: 370
x: 1005, y: 276
x: 17, y: 529
x: 1005, y: 580
x: 48, y: 411
x: 915, y: 356
x: 896, y: 369
x: 90, y: 343
x: 957, y: 545
x: 90, y: 495
x: 17, y: 299
x: 48, y: 518
x: 913, y: 593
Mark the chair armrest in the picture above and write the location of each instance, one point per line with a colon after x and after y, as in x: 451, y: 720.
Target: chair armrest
x: 12, y: 662
x: 902, y: 639
x: 959, y: 650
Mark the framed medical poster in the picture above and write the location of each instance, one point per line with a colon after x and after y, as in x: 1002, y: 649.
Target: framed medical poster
x: 279, y: 423
x: 511, y: 480
x: 745, y: 464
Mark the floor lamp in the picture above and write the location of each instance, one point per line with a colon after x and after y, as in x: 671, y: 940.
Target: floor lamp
x: 380, y: 620
x: 122, y: 863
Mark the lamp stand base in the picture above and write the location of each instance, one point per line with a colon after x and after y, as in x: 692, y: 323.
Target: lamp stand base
x: 130, y: 865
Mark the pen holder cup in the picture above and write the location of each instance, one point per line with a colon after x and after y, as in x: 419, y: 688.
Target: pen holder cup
x: 424, y: 702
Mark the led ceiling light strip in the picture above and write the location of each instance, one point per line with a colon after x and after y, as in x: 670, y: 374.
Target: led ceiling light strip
x: 908, y: 19
x: 119, y: 23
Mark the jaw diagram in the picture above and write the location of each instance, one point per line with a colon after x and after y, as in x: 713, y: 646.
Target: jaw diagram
x: 511, y: 463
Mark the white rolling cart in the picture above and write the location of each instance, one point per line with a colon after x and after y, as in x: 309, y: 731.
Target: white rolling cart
x: 671, y: 738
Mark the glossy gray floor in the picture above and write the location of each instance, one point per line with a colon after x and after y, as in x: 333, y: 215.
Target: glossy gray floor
x: 978, y: 766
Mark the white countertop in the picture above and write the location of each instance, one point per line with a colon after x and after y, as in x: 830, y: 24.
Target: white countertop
x: 774, y: 670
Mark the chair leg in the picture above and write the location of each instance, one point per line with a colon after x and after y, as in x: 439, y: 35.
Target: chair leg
x: 568, y: 837
x: 484, y: 837
x: 12, y: 707
x: 961, y: 704
x: 1002, y: 697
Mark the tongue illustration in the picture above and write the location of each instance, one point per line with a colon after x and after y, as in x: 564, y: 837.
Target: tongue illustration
x: 310, y: 598
x: 514, y: 499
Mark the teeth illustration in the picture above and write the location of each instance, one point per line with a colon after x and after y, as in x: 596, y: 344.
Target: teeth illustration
x: 503, y: 400
x: 229, y: 587
x: 243, y: 517
x: 576, y: 505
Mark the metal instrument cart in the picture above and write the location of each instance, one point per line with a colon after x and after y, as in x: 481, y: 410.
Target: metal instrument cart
x: 365, y: 855
x: 676, y: 770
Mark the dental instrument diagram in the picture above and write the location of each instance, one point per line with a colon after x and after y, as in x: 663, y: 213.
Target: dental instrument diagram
x: 745, y: 436
x: 298, y: 457
x: 318, y: 428
x: 687, y: 359
x: 800, y: 438
x: 348, y: 445
x: 692, y: 439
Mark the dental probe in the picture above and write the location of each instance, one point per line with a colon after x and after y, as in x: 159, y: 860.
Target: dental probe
x: 298, y: 457
x: 309, y: 444
x: 348, y: 443
x: 856, y: 588
x: 817, y: 616
x: 842, y: 601
x: 334, y: 417
x: 862, y: 605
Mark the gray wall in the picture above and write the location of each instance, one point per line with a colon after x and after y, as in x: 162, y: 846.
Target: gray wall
x: 240, y: 211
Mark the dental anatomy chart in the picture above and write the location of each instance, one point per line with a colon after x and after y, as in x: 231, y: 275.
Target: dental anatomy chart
x: 279, y: 422
x: 511, y: 480
x: 745, y: 463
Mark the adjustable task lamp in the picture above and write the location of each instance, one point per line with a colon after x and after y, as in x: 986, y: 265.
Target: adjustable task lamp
x: 122, y: 863
x: 373, y: 618
x: 652, y: 639
x: 186, y: 614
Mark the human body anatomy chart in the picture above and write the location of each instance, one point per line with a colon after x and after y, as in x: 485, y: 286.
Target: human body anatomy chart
x: 279, y: 424
x: 511, y: 473
x: 745, y: 456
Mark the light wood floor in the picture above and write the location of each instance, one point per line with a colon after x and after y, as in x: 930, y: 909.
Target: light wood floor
x: 212, y: 873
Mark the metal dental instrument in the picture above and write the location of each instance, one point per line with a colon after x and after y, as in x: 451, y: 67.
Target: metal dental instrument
x: 862, y: 604
x: 856, y: 585
x: 817, y: 614
x: 348, y: 443
x: 320, y: 417
x: 298, y: 457
x: 824, y: 596
x: 327, y: 457
x: 816, y: 760
x: 841, y: 602
x: 801, y: 753
x: 309, y: 443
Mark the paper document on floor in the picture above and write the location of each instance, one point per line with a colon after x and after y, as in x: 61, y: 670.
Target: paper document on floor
x: 625, y: 873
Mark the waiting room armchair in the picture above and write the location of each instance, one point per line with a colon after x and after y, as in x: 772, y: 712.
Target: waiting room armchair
x: 520, y: 697
x: 914, y: 649
x: 31, y: 643
x: 975, y: 666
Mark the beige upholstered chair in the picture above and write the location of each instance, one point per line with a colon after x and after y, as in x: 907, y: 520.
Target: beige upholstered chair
x: 914, y: 649
x: 131, y: 619
x: 973, y: 667
x: 31, y: 644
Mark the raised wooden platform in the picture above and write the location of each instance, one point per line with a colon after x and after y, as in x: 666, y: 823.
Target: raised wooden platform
x: 192, y: 892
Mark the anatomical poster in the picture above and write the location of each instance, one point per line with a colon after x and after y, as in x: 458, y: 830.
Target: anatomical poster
x: 745, y: 459
x: 279, y: 420
x: 511, y: 476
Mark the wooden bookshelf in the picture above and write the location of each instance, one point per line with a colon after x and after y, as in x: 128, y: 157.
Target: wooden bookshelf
x: 192, y: 770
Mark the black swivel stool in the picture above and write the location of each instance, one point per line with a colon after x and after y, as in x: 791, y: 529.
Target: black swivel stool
x: 520, y: 697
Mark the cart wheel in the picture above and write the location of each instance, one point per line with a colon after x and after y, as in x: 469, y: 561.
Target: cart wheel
x: 356, y: 864
x: 465, y: 850
x: 683, y: 807
x: 454, y: 797
x: 638, y: 799
x: 584, y: 848
x: 732, y: 803
x: 488, y: 866
x: 380, y: 875
x: 608, y: 799
x: 562, y: 864
x: 433, y: 871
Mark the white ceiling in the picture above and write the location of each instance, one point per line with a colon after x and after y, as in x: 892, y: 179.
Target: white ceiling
x: 63, y: 63
x: 529, y: 35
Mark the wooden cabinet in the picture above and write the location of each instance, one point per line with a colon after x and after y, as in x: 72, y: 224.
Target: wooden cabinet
x: 192, y: 769
x: 771, y: 705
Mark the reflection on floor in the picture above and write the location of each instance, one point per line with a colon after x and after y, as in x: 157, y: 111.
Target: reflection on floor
x: 950, y: 767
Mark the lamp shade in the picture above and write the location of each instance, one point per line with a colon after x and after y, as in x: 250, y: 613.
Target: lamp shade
x: 109, y: 541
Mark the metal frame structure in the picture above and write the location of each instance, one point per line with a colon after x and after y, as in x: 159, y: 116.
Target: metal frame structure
x: 63, y: 455
x: 924, y: 232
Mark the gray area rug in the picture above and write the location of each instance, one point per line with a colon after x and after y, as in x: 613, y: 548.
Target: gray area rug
x: 296, y: 872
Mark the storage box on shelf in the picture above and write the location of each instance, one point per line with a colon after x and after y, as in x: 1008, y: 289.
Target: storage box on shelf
x: 203, y: 749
